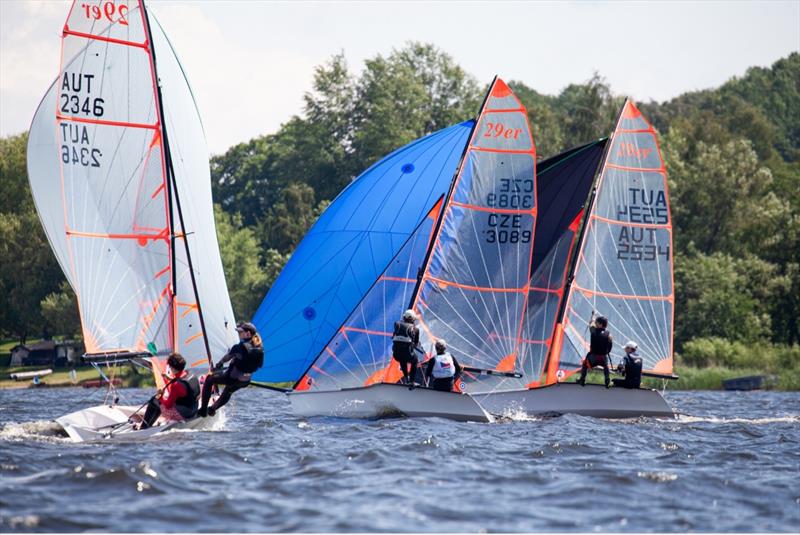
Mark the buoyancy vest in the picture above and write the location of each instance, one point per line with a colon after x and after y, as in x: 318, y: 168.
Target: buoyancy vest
x: 443, y: 366
x: 404, y: 333
x: 633, y: 370
x: 189, y: 400
x: 250, y: 357
x: 600, y: 342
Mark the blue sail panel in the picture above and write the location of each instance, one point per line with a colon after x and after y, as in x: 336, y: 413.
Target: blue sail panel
x: 349, y: 247
x: 360, y: 351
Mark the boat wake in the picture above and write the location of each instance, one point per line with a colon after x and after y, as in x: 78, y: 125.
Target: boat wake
x: 42, y: 430
x: 684, y: 418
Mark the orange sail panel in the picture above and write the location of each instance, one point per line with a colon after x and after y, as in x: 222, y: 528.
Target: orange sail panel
x: 624, y: 269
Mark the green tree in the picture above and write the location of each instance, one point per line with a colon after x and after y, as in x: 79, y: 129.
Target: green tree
x: 247, y: 282
x: 60, y: 311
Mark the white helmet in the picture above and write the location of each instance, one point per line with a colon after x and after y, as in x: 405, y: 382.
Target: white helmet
x: 409, y: 315
x: 441, y: 345
x: 630, y: 344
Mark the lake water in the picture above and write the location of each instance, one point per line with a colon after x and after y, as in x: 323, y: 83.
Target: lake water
x: 730, y: 463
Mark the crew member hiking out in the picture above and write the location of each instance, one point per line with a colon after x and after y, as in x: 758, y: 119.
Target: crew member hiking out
x: 630, y: 367
x: 177, y: 401
x: 599, y: 348
x: 443, y: 367
x: 245, y: 357
x: 404, y: 341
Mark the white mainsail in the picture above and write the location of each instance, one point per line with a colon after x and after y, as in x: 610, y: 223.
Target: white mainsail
x: 118, y: 167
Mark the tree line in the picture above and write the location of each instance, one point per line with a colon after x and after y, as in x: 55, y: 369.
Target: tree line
x: 732, y: 155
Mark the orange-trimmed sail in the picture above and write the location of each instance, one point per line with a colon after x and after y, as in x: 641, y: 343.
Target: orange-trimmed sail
x: 624, y: 267
x: 108, y: 198
x: 475, y: 284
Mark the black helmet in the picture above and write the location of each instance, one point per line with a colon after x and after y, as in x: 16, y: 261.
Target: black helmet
x: 601, y: 320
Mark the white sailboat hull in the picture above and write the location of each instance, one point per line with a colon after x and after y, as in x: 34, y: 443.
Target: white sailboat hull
x: 110, y: 423
x: 384, y: 400
x: 571, y: 398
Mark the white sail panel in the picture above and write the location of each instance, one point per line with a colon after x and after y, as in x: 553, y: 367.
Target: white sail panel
x: 111, y: 20
x: 189, y: 156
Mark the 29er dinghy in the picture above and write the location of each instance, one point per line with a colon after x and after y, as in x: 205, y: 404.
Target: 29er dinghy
x: 465, y: 269
x: 622, y: 268
x: 118, y: 167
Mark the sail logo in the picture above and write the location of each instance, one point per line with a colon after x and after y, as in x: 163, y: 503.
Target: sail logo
x: 72, y: 98
x: 630, y: 150
x: 646, y: 206
x: 500, y: 130
x: 109, y: 9
x: 76, y: 147
x: 640, y: 244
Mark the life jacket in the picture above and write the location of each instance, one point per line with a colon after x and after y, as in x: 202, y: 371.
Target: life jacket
x: 443, y: 366
x: 188, y: 402
x: 404, y: 333
x: 250, y: 357
x: 633, y: 370
x: 600, y: 342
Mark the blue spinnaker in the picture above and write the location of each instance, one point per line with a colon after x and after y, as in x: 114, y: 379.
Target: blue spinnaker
x: 349, y: 247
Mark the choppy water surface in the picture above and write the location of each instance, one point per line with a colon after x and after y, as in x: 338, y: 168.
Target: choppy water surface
x: 733, y: 465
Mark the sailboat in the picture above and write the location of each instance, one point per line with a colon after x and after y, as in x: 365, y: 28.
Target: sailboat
x: 622, y: 268
x: 511, y: 313
x: 471, y: 286
x: 118, y: 168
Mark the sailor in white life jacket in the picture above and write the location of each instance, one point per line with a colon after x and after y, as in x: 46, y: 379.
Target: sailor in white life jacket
x: 443, y: 367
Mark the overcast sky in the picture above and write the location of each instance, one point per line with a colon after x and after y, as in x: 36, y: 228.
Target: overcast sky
x: 249, y: 62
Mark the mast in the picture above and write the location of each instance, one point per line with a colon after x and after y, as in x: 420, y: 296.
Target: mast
x: 172, y: 189
x: 587, y: 209
x: 440, y: 218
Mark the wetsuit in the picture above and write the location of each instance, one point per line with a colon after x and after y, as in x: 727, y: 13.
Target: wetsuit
x: 404, y: 339
x: 445, y: 370
x: 631, y: 368
x: 599, y: 347
x: 232, y: 377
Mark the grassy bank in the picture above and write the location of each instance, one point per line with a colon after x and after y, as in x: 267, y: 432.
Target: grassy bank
x: 130, y: 376
x: 711, y: 378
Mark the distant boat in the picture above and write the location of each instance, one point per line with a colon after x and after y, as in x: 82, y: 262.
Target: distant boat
x: 750, y: 382
x: 118, y: 167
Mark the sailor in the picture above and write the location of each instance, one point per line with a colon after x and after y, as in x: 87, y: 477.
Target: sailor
x: 630, y: 367
x: 405, y: 339
x: 599, y: 348
x: 443, y: 367
x: 177, y: 401
x: 245, y: 357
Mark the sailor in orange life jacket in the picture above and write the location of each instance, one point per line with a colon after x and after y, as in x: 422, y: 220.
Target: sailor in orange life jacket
x: 599, y: 348
x: 444, y: 368
x: 177, y: 401
x: 245, y: 357
x: 404, y: 341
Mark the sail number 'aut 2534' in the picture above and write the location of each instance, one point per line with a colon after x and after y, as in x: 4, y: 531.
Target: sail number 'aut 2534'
x: 647, y: 207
